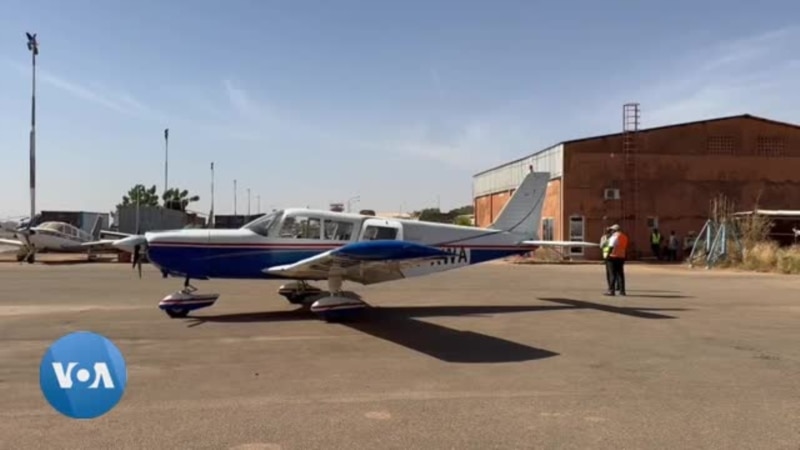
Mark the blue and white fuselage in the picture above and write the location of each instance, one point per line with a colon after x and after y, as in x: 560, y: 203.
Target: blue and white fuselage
x: 245, y: 253
x: 305, y: 245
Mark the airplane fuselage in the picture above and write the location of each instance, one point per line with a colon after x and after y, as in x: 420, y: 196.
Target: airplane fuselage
x: 244, y: 254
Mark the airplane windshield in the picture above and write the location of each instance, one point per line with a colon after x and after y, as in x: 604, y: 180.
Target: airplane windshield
x: 263, y: 224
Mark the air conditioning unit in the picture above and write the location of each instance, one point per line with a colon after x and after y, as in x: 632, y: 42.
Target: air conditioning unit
x: 611, y: 194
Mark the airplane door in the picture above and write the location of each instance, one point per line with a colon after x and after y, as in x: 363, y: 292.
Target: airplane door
x: 381, y: 229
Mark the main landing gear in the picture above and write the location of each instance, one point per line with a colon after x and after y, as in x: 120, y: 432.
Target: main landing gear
x: 179, y: 304
x: 332, y: 305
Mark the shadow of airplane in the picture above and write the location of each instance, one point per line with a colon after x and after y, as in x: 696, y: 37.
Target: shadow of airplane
x: 641, y: 313
x: 401, y: 325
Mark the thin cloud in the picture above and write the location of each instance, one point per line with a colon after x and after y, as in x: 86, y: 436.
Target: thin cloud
x: 121, y: 102
x: 755, y: 75
x: 469, y: 145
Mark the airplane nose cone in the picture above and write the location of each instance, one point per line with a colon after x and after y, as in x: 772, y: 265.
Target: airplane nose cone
x: 129, y: 243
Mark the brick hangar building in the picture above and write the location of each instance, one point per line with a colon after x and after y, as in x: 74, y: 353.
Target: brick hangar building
x: 664, y: 177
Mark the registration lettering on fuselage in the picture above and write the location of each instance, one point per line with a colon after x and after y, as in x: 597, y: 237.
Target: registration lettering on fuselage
x: 458, y: 255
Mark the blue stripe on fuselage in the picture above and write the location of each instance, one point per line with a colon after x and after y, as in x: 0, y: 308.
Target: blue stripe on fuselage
x: 243, y: 262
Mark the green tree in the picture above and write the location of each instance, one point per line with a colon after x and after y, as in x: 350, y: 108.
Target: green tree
x: 177, y: 199
x: 142, y: 195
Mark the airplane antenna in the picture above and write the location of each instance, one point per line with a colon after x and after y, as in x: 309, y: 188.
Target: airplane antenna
x: 33, y: 47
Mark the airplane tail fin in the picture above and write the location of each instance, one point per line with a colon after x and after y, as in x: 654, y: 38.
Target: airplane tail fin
x: 522, y: 214
x: 98, y: 225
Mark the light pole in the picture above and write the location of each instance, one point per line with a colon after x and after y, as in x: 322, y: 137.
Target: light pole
x: 248, y: 203
x: 352, y: 200
x: 235, y: 194
x: 259, y: 203
x: 33, y: 47
x: 166, y: 159
x: 211, y: 214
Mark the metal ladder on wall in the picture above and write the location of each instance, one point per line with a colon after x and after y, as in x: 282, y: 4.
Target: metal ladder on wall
x: 630, y: 192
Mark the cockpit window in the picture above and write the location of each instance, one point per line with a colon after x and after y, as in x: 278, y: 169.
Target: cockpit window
x: 301, y: 227
x: 263, y: 224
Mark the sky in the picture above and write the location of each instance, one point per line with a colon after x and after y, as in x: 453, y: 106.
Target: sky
x: 306, y: 103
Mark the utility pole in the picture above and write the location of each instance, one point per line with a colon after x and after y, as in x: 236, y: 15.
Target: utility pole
x: 211, y: 214
x: 235, y: 194
x: 33, y: 47
x: 166, y: 159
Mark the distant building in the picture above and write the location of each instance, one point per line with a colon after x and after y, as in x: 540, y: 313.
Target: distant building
x: 230, y: 221
x: 152, y: 218
x: 81, y: 219
x: 661, y: 177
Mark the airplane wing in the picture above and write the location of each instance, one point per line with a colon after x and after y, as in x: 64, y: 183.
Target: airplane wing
x: 366, y: 262
x: 115, y: 234
x: 560, y: 243
x: 13, y: 242
x: 102, y: 244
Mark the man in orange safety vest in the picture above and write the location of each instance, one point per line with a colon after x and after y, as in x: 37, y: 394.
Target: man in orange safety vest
x: 618, y: 243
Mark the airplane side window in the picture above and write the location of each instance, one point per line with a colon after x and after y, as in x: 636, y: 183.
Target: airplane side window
x: 386, y: 233
x: 338, y: 231
x: 288, y: 228
x: 301, y: 228
x: 373, y: 233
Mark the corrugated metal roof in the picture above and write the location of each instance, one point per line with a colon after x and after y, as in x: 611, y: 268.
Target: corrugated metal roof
x: 645, y: 130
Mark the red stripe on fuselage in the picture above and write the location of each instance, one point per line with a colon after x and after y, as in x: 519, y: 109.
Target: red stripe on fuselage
x: 322, y: 246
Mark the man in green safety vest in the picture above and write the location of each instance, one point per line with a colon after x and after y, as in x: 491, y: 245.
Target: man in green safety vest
x: 655, y: 243
x: 606, y: 249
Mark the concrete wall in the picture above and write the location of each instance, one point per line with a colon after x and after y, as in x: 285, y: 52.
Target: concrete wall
x: 150, y: 219
x: 680, y: 170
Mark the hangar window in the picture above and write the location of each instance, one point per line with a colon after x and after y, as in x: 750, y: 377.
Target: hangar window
x: 721, y: 145
x: 548, y: 229
x: 770, y: 146
x: 576, y: 233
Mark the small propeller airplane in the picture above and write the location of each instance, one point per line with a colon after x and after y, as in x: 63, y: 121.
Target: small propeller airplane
x: 60, y: 237
x: 310, y: 245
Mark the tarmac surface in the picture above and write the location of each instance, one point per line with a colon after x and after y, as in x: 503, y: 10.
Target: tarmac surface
x: 493, y: 356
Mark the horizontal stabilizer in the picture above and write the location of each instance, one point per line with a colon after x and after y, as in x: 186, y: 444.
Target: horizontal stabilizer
x: 365, y: 262
x: 560, y: 243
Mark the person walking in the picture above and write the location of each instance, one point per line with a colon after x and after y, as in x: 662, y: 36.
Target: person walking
x: 617, y: 255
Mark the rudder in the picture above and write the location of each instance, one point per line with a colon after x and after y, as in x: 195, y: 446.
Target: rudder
x: 522, y: 214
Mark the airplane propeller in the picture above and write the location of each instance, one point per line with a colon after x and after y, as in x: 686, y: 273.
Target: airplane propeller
x: 135, y: 244
x: 24, y: 233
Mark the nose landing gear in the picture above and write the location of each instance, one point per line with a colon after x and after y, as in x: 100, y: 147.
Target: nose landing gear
x: 179, y: 304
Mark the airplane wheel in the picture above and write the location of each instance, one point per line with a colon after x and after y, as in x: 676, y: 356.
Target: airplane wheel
x: 20, y: 257
x: 177, y: 313
x: 31, y: 259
